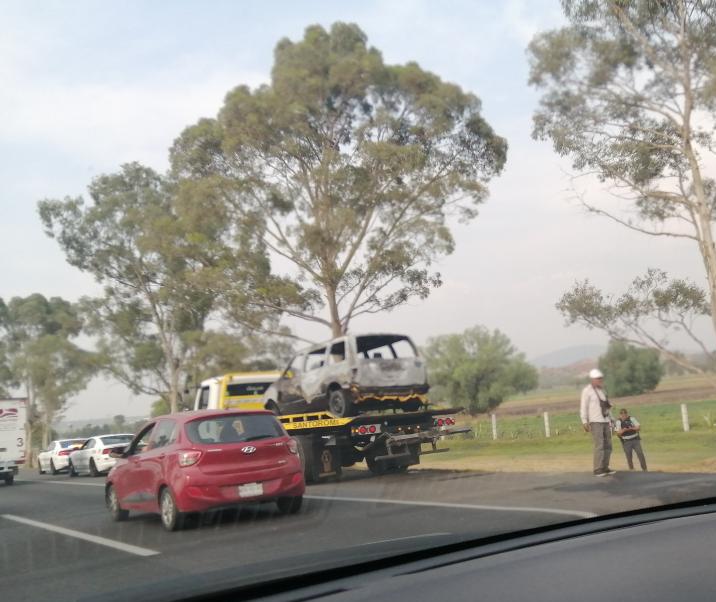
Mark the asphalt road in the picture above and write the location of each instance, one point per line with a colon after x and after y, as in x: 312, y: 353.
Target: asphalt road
x: 58, y: 543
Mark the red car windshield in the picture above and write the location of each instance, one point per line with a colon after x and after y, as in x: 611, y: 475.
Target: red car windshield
x: 233, y: 428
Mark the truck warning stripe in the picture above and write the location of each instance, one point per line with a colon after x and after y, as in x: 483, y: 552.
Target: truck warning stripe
x: 307, y: 424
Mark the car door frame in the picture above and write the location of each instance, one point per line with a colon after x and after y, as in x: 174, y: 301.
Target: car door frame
x: 290, y: 395
x: 157, y: 455
x: 130, y: 480
x: 312, y: 383
x: 84, y: 453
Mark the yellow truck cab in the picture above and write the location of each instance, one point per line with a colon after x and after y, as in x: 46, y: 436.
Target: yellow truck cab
x: 235, y: 391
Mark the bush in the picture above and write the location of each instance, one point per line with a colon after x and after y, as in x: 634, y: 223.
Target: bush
x: 630, y: 370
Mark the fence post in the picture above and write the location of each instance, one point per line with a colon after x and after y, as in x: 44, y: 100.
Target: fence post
x: 546, y: 425
x: 494, y: 426
x: 685, y: 418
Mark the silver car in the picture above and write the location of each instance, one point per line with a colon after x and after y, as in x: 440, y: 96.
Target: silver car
x: 351, y: 374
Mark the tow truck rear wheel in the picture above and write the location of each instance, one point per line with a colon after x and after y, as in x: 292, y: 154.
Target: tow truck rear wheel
x: 340, y: 404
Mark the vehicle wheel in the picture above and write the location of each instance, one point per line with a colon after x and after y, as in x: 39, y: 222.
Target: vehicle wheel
x: 53, y: 470
x: 39, y: 468
x: 115, y: 510
x: 71, y: 469
x: 9, y: 479
x: 172, y: 519
x: 378, y: 467
x: 289, y: 505
x: 340, y: 404
x: 307, y: 455
x: 93, y: 469
x: 272, y: 406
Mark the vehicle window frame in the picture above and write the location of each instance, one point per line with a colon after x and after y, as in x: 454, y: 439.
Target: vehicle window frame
x: 293, y: 369
x: 315, y: 352
x: 132, y: 449
x: 204, y: 396
x: 153, y: 443
x: 331, y: 355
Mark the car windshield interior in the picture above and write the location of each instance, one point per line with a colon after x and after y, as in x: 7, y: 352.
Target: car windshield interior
x: 368, y: 280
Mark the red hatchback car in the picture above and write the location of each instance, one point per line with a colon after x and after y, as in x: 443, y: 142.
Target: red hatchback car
x: 197, y: 461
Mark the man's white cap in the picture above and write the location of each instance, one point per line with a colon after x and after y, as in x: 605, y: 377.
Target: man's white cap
x: 594, y: 373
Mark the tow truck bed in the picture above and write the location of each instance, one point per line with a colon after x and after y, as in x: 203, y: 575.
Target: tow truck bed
x: 388, y: 442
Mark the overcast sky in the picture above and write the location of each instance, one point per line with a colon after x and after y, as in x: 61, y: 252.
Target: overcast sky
x: 87, y: 86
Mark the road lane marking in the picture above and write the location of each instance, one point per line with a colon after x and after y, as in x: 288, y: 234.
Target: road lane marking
x: 370, y: 543
x: 578, y: 513
x: 73, y: 483
x: 102, y: 541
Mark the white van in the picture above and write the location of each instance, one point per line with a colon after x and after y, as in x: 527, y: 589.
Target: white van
x: 13, y: 414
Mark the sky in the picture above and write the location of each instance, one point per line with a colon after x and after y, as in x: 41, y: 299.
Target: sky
x: 88, y: 86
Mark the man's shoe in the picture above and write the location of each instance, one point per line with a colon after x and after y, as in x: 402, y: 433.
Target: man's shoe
x: 600, y: 473
x: 609, y: 471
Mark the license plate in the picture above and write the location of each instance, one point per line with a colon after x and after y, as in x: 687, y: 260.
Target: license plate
x: 251, y: 490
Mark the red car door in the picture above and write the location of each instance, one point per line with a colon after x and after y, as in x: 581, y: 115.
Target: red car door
x: 156, y: 457
x: 131, y: 479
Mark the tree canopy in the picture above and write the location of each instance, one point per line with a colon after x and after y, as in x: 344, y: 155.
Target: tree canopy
x: 41, y: 357
x: 477, y: 369
x: 344, y: 171
x: 155, y: 252
x: 630, y: 370
x: 628, y: 94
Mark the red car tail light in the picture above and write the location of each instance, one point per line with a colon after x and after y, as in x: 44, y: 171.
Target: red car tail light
x: 107, y: 450
x: 371, y: 428
x: 292, y: 446
x: 441, y: 422
x: 65, y: 452
x: 362, y: 430
x: 188, y: 458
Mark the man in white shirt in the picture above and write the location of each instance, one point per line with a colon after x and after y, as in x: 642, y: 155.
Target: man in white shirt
x: 627, y: 429
x: 594, y: 410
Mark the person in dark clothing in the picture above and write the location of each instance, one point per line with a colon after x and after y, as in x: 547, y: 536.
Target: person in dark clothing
x: 628, y: 430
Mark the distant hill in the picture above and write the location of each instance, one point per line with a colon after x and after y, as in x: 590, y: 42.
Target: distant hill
x: 68, y: 425
x: 568, y: 356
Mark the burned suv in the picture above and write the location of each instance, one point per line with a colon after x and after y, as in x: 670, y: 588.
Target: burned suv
x: 351, y: 374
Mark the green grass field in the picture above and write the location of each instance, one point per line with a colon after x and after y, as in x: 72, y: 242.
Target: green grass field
x: 522, y: 445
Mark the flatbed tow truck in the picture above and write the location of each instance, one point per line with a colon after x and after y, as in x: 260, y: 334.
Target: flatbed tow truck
x: 388, y: 442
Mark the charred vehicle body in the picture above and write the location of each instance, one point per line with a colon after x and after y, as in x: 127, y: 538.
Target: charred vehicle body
x: 352, y: 374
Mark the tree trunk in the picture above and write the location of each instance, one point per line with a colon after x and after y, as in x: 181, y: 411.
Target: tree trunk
x: 174, y: 390
x: 336, y: 326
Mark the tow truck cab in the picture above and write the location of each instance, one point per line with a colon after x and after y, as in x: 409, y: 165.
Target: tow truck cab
x: 234, y: 391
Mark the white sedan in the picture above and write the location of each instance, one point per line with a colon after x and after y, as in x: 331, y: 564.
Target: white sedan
x: 55, y: 457
x: 93, y: 457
